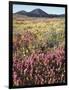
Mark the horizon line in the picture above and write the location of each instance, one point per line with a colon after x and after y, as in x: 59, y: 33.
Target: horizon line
x: 40, y: 9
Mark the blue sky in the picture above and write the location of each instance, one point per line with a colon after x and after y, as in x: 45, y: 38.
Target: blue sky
x: 48, y: 9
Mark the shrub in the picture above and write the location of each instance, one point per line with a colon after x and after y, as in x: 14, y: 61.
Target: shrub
x: 39, y: 68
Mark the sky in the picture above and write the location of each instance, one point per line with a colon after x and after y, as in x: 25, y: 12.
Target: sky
x: 47, y: 9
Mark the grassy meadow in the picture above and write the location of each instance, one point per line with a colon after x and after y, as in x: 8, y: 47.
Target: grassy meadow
x: 38, y: 51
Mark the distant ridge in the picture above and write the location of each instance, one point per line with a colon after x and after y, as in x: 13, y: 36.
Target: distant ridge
x: 37, y: 13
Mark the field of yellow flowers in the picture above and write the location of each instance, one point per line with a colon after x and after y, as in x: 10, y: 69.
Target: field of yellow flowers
x: 38, y: 51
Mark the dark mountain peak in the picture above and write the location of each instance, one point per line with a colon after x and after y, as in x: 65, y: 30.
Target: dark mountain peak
x: 21, y: 12
x: 38, y: 12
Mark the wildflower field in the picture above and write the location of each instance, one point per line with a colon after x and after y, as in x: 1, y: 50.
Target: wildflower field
x: 38, y: 51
